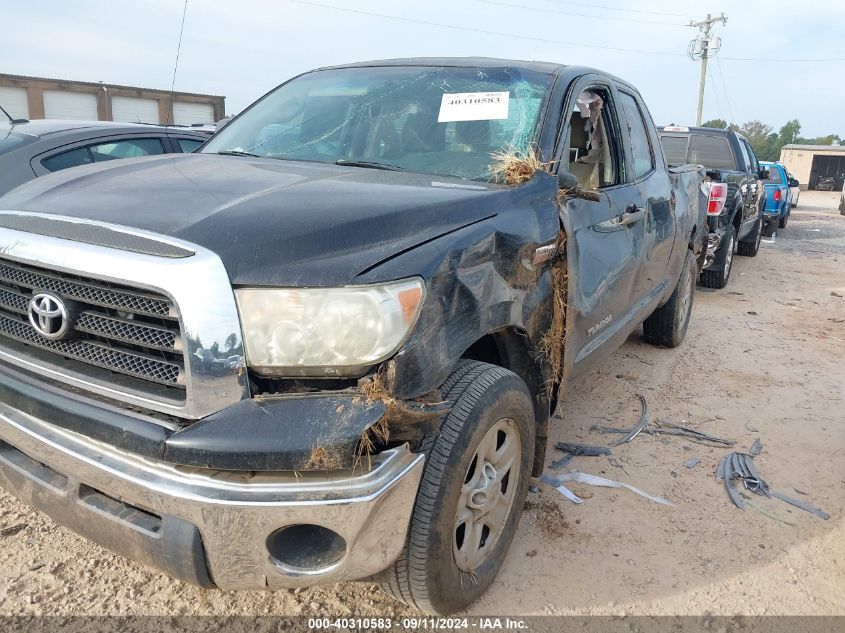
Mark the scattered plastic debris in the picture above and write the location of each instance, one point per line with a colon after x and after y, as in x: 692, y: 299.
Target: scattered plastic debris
x: 582, y: 449
x: 667, y: 428
x: 639, y: 426
x: 566, y: 492
x: 591, y: 480
x: 756, y: 447
x: 692, y: 463
x: 12, y: 530
x: 740, y: 466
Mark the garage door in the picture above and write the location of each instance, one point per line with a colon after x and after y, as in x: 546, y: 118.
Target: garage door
x: 134, y: 110
x: 188, y: 113
x: 70, y: 105
x: 14, y: 102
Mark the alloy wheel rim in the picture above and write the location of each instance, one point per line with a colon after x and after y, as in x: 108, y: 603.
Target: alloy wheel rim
x: 487, y: 495
x: 729, y: 256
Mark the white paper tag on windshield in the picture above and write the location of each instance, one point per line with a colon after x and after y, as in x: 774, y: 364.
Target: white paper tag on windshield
x: 473, y: 106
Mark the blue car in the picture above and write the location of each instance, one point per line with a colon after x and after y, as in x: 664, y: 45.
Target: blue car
x: 778, y: 198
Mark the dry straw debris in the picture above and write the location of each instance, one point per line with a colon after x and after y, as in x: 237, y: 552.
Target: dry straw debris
x: 513, y: 166
x: 553, y: 341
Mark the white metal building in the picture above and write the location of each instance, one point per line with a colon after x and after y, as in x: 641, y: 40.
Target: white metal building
x: 39, y: 98
x: 809, y: 163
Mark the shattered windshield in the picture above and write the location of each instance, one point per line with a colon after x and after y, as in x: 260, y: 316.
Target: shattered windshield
x: 443, y: 121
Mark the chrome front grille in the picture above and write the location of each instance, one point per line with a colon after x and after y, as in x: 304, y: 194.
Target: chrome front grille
x: 155, y: 328
x: 86, y: 291
x: 123, y: 330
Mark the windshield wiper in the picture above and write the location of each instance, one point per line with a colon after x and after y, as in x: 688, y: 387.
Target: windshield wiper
x: 237, y: 152
x: 368, y: 164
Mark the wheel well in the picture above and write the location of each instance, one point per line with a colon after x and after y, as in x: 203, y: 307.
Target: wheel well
x: 511, y: 349
x: 737, y: 219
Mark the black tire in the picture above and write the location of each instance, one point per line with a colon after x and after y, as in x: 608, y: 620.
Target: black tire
x: 783, y: 221
x: 749, y: 246
x: 427, y: 576
x: 667, y: 325
x: 718, y: 275
x: 770, y: 228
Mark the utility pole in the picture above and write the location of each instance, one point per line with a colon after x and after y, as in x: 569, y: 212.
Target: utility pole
x: 703, y: 47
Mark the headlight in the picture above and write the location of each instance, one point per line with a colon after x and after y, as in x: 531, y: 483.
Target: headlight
x: 326, y: 331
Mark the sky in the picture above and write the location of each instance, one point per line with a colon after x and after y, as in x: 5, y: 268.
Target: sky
x: 243, y: 48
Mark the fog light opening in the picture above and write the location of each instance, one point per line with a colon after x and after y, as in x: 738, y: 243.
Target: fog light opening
x: 305, y: 547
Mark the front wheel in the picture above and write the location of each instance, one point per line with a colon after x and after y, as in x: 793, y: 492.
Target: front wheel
x: 667, y: 325
x: 471, y: 494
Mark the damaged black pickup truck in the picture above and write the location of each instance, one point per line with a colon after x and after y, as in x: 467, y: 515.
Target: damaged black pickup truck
x: 327, y: 346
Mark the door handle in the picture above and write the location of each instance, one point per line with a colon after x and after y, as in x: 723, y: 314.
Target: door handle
x: 632, y: 215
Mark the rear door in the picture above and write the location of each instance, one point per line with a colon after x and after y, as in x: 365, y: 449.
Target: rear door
x: 757, y: 197
x: 649, y: 174
x: 607, y: 245
x: 749, y: 185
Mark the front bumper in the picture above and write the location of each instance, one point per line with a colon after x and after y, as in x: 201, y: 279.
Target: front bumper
x: 208, y: 527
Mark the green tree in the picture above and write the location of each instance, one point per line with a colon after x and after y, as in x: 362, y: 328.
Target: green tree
x: 762, y: 139
x: 720, y: 124
x: 821, y: 140
x: 789, y: 133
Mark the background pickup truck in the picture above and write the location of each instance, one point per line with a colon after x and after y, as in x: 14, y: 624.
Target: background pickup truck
x: 327, y: 347
x: 735, y: 210
x: 778, y: 191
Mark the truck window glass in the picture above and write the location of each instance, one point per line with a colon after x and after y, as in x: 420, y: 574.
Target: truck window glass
x: 775, y: 176
x: 746, y: 158
x: 710, y: 151
x: 640, y: 143
x: 675, y: 149
x: 71, y: 158
x: 188, y: 145
x: 129, y: 148
x: 393, y: 116
x: 592, y: 147
x: 753, y: 165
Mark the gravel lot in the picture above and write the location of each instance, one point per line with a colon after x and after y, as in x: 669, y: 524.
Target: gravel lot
x: 763, y: 359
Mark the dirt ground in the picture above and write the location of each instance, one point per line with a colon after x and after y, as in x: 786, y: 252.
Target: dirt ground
x: 764, y: 358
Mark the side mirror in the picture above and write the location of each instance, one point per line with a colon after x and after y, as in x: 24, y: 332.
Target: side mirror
x: 567, y: 181
x: 763, y: 174
x: 793, y: 183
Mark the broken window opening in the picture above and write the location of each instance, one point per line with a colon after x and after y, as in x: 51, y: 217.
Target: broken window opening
x: 592, y: 156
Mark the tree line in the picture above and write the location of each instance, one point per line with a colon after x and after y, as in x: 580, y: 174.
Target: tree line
x: 766, y: 142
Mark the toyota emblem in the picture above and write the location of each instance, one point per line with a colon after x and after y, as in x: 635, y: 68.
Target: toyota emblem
x: 48, y: 315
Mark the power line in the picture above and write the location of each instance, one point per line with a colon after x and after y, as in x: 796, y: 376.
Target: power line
x: 715, y: 93
x: 482, y: 31
x: 176, y: 65
x: 725, y: 88
x: 776, y: 60
x: 606, y: 8
x: 580, y: 15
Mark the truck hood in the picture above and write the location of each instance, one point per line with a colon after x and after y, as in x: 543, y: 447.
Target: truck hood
x: 272, y: 222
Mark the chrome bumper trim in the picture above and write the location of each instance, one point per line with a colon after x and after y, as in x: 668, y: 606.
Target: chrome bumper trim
x: 199, y: 287
x: 234, y: 512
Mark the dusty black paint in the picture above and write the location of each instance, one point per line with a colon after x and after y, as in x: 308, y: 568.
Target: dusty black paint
x: 286, y: 223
